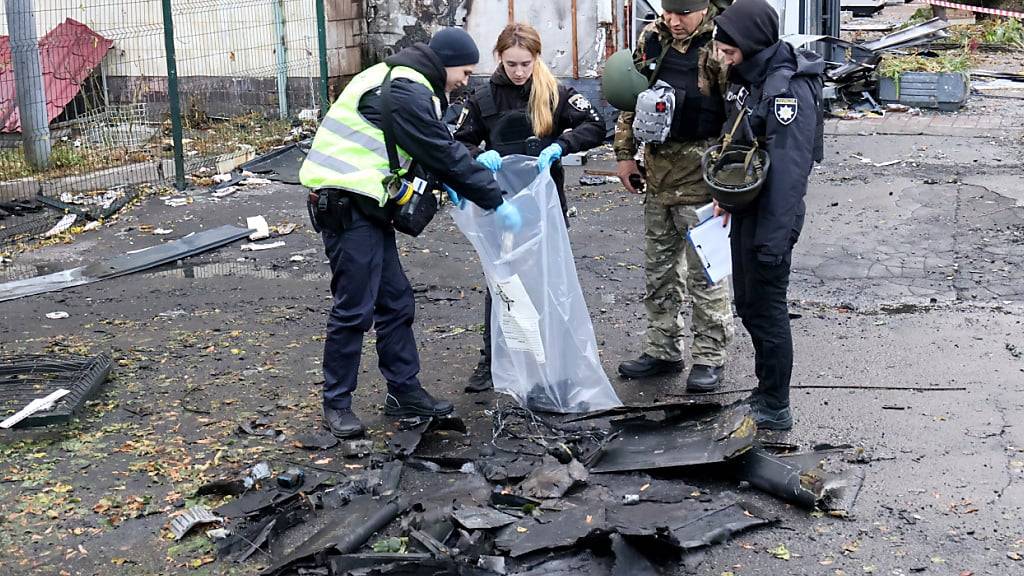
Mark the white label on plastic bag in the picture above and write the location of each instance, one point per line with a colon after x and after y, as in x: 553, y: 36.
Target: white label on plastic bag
x: 520, y: 322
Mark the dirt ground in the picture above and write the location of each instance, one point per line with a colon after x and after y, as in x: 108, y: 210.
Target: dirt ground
x: 908, y: 275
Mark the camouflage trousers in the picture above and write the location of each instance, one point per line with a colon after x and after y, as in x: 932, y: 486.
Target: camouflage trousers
x: 673, y: 271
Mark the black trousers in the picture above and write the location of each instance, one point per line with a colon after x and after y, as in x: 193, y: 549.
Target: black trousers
x: 761, y: 303
x: 370, y: 289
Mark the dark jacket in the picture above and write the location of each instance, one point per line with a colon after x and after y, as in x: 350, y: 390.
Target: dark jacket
x: 578, y: 126
x: 784, y: 86
x: 419, y: 130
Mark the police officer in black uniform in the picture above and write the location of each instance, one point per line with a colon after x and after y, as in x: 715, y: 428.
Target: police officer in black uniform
x: 368, y: 283
x: 780, y: 87
x: 498, y: 115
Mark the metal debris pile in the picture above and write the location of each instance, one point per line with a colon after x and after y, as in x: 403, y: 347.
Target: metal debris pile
x: 601, y: 493
x: 853, y: 82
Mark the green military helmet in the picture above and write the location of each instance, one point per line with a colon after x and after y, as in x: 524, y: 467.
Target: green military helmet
x: 735, y: 176
x: 621, y: 82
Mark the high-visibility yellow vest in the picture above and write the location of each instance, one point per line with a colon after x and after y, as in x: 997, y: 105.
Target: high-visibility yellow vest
x: 348, y: 152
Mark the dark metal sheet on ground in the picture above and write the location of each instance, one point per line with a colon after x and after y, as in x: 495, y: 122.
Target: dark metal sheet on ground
x: 347, y: 530
x: 317, y: 439
x: 816, y: 479
x: 480, y: 518
x: 409, y: 565
x: 686, y: 525
x: 645, y: 447
x: 24, y: 378
x: 68, y: 54
x: 573, y: 564
x: 693, y: 408
x: 124, y: 264
x: 617, y: 487
x: 559, y: 530
x: 280, y: 165
x: 629, y: 561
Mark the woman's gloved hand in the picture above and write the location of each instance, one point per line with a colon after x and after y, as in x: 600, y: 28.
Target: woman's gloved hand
x: 548, y: 156
x: 508, y: 217
x: 491, y: 160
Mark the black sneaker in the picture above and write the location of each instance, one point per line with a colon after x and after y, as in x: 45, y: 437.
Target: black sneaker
x: 415, y: 402
x: 646, y: 366
x: 704, y: 378
x: 480, y: 380
x: 343, y: 423
x: 768, y: 419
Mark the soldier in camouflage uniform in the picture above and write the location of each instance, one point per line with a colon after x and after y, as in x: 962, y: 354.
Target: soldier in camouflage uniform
x: 676, y: 48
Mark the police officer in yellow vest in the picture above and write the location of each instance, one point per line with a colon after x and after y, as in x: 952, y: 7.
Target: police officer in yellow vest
x: 346, y: 170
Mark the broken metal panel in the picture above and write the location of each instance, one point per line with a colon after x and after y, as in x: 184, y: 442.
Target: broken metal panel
x: 559, y: 530
x: 688, y: 408
x: 349, y: 528
x: 194, y: 516
x: 909, y: 36
x: 280, y: 165
x: 124, y: 264
x: 815, y: 479
x: 24, y: 378
x: 715, y: 439
x: 480, y: 518
x: 687, y: 525
x: 629, y: 561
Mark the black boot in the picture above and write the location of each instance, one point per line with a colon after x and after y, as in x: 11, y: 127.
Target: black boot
x: 704, y: 378
x: 646, y: 366
x: 768, y: 419
x: 343, y: 423
x: 415, y: 402
x: 480, y: 380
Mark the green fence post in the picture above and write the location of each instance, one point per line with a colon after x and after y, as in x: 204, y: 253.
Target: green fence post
x: 173, y: 98
x: 321, y: 37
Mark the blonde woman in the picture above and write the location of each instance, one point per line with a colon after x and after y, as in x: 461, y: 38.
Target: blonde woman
x: 524, y: 110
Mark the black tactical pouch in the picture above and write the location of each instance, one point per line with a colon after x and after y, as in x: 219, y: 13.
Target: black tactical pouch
x: 415, y: 200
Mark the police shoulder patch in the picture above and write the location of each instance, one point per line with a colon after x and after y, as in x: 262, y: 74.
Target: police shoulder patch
x: 785, y: 110
x: 580, y: 102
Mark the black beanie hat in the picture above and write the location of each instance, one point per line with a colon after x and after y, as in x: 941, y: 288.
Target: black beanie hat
x: 750, y: 25
x: 454, y: 47
x: 683, y: 6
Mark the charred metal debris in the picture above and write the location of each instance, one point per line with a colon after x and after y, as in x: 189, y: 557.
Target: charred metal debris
x: 603, y: 493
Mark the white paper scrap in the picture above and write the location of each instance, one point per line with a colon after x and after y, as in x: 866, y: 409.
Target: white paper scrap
x: 519, y: 320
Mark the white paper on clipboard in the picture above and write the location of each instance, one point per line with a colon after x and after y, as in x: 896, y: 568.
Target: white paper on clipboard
x: 710, y: 240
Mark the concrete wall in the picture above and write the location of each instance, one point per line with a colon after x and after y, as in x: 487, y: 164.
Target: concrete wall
x: 394, y: 24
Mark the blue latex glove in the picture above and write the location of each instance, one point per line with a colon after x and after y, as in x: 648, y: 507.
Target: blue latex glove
x: 454, y: 197
x: 490, y: 159
x: 509, y: 218
x: 548, y: 156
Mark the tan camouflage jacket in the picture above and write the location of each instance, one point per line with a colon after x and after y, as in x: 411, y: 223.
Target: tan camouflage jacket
x: 673, y: 169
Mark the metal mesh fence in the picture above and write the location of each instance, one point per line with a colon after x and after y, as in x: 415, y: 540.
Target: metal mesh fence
x: 84, y: 95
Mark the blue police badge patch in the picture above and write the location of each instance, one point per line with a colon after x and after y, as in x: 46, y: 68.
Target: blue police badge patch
x: 785, y: 110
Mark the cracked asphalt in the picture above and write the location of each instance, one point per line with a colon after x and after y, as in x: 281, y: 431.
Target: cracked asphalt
x: 907, y: 275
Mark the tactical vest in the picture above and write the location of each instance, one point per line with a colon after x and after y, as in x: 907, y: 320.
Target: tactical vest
x: 510, y: 131
x: 348, y: 152
x: 696, y: 117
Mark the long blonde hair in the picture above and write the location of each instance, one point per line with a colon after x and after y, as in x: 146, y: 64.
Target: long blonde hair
x: 544, y: 91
